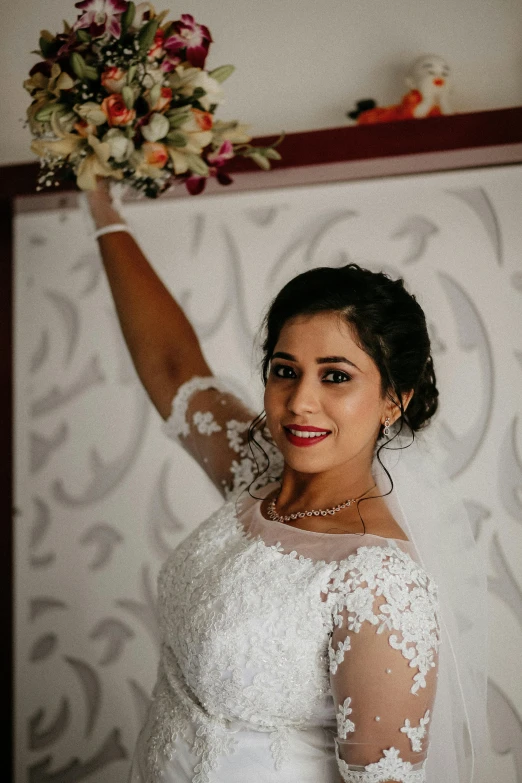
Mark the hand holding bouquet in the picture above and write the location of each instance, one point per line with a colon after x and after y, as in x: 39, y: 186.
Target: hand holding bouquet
x: 122, y: 94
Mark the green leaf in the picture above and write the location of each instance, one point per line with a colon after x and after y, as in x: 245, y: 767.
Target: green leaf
x: 261, y: 161
x: 199, y: 92
x: 83, y: 36
x: 46, y: 47
x: 146, y: 35
x: 271, y: 153
x: 177, y: 139
x: 222, y: 73
x: 177, y: 119
x: 197, y: 165
x: 155, y: 94
x: 91, y: 73
x: 128, y: 96
x: 127, y: 18
x: 44, y: 115
x: 78, y: 65
x: 130, y: 73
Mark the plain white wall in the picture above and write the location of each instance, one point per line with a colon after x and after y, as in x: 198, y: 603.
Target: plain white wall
x: 301, y: 64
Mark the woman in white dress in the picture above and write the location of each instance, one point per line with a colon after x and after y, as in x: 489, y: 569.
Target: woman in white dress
x: 301, y: 629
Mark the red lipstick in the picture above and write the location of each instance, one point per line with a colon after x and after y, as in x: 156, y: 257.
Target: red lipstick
x: 303, y: 440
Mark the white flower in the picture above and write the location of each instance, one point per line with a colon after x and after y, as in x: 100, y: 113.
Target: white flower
x: 153, y: 75
x: 185, y: 80
x: 143, y: 9
x: 157, y: 128
x: 91, y: 112
x: 121, y: 148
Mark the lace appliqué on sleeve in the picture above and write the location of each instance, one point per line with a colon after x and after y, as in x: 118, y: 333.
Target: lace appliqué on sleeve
x: 416, y: 734
x: 206, y: 423
x: 177, y: 424
x: 389, y: 767
x: 229, y: 459
x: 337, y: 656
x: 344, y: 724
x: 408, y: 611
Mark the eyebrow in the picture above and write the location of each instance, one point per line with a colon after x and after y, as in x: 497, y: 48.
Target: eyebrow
x: 320, y: 360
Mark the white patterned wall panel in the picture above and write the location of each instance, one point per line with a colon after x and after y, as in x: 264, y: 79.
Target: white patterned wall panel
x: 103, y: 495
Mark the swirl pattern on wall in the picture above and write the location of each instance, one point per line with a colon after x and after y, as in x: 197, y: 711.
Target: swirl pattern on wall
x: 106, y: 496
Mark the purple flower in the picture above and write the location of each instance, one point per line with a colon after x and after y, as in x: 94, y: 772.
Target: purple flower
x: 190, y: 37
x: 224, y: 153
x: 101, y: 16
x: 196, y: 184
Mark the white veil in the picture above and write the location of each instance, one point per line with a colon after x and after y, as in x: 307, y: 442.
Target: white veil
x: 426, y: 506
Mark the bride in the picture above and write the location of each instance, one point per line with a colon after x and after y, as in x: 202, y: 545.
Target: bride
x: 309, y: 626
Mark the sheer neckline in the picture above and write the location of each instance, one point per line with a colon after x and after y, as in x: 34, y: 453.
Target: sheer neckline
x: 268, y: 488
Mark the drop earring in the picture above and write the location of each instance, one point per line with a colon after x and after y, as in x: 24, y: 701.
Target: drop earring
x: 386, y: 430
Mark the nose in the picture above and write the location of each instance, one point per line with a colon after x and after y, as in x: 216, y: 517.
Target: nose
x: 303, y: 398
x: 438, y: 82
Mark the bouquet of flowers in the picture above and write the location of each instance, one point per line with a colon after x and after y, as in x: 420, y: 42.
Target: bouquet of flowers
x: 124, y: 94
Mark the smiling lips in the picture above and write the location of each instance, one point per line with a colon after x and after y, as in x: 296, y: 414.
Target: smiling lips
x: 305, y: 436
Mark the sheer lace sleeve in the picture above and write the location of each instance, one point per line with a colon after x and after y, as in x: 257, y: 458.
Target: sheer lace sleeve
x: 383, y: 662
x: 212, y: 425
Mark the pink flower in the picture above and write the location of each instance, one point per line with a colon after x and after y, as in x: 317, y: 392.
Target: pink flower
x: 169, y: 63
x: 224, y: 153
x: 192, y: 38
x: 101, y: 16
x: 196, y: 184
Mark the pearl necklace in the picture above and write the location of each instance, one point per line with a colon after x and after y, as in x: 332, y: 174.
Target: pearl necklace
x: 319, y: 512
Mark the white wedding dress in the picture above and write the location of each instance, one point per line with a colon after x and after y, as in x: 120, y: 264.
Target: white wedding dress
x: 288, y: 655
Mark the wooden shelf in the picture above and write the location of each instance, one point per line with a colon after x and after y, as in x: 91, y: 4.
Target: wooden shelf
x: 352, y: 152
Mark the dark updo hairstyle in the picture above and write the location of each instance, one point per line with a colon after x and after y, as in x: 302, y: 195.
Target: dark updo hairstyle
x: 388, y: 324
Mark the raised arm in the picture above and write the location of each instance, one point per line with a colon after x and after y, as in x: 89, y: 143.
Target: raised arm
x: 162, y: 343
x: 209, y: 421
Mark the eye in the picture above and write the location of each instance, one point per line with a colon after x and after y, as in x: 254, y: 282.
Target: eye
x: 283, y: 371
x: 336, y: 376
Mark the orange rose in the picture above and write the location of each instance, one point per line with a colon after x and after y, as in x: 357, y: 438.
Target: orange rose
x: 84, y: 128
x: 113, y: 79
x: 163, y: 101
x: 155, y: 154
x: 116, y: 111
x: 203, y: 119
x: 157, y: 51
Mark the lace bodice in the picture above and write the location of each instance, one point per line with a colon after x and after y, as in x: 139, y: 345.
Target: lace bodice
x: 277, y: 629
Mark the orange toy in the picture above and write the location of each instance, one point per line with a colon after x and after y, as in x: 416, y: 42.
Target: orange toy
x: 402, y: 111
x: 428, y: 95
